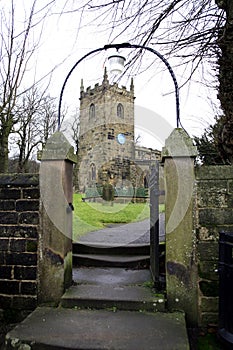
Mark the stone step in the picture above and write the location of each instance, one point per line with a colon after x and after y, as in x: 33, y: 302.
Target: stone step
x: 112, y: 276
x: 70, y: 329
x: 130, y: 261
x: 122, y: 297
x: 109, y: 249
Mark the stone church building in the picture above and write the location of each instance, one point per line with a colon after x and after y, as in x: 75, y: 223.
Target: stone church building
x: 107, y: 151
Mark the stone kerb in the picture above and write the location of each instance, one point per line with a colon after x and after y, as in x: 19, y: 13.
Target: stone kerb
x: 56, y: 188
x: 181, y: 271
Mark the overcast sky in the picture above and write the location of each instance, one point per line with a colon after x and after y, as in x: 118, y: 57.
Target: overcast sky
x: 64, y: 41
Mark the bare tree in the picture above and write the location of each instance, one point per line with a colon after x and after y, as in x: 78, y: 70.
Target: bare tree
x: 36, y: 120
x: 16, y: 49
x: 187, y: 30
x: 192, y: 32
x: 73, y: 126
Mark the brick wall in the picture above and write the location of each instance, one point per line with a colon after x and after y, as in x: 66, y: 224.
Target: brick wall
x: 214, y: 213
x: 19, y: 231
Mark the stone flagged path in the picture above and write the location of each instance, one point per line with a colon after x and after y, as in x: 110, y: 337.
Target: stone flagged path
x: 115, y: 288
x: 108, y: 325
x: 109, y: 276
x: 119, y: 246
x: 63, y: 329
x: 107, y: 308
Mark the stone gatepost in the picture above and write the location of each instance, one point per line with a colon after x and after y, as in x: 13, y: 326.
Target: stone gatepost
x: 55, y: 247
x: 181, y: 270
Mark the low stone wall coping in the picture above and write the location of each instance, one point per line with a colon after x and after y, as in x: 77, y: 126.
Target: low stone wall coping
x: 209, y: 172
x: 25, y: 180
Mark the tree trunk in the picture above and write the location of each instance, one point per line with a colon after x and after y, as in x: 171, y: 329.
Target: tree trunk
x: 4, y: 153
x: 5, y: 130
x: 225, y: 135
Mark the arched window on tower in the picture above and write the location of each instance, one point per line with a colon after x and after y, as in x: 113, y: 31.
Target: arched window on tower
x: 93, y: 172
x: 145, y: 181
x: 120, y: 111
x: 92, y: 111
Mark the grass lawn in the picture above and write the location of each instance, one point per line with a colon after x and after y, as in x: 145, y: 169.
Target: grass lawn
x: 95, y: 216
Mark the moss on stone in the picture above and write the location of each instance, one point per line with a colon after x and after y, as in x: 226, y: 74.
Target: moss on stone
x: 209, y: 288
x: 208, y: 270
x: 68, y: 270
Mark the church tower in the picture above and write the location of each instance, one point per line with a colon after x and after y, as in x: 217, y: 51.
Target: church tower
x: 106, y: 139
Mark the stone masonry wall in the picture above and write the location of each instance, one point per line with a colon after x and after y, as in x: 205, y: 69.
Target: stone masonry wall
x: 214, y: 213
x: 19, y: 231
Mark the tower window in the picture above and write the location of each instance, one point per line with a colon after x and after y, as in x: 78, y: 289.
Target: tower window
x: 92, y: 111
x: 93, y: 172
x: 120, y: 111
x: 111, y: 135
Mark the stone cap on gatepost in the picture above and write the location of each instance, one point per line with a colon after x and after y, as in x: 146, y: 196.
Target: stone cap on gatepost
x: 58, y: 148
x: 179, y: 144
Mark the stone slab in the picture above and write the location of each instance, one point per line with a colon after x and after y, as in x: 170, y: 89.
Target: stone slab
x: 111, y: 260
x: 113, y: 296
x: 112, y: 276
x: 60, y: 329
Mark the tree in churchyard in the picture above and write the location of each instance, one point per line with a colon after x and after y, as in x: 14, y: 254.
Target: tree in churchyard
x: 17, y: 46
x: 36, y: 120
x: 192, y: 32
x: 225, y: 61
x: 207, y: 145
x: 73, y: 125
x: 33, y: 166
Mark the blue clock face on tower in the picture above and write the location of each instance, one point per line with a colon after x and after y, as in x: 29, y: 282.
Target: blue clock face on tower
x: 121, y: 139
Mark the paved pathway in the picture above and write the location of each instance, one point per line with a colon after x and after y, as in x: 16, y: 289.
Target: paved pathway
x: 60, y: 329
x: 128, y: 234
x: 123, y: 313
